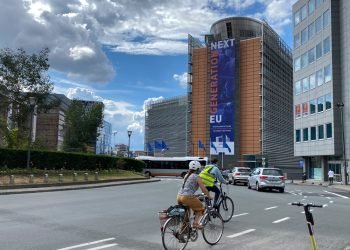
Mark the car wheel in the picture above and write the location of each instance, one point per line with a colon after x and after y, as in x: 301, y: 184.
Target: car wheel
x: 249, y: 187
x: 281, y: 190
x: 258, y: 187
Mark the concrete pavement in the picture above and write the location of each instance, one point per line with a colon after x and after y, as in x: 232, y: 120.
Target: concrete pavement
x: 337, y: 185
x: 36, y: 188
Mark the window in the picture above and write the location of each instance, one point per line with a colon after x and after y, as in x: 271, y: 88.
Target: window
x: 327, y: 73
x: 297, y: 87
x: 304, y: 59
x: 320, y: 101
x: 326, y: 45
x: 311, y: 6
x: 320, y: 132
x: 303, y: 12
x: 305, y: 109
x: 326, y: 18
x: 304, y: 35
x: 329, y: 130
x: 312, y: 106
x: 311, y: 30
x: 305, y: 134
x: 297, y: 111
x: 319, y: 50
x: 319, y: 77
x: 305, y: 84
x: 318, y: 24
x: 297, y: 64
x: 328, y: 100
x: 297, y: 40
x: 229, y: 30
x: 296, y: 18
x: 313, y: 133
x: 297, y: 135
x: 312, y: 81
x: 318, y: 3
x: 311, y: 55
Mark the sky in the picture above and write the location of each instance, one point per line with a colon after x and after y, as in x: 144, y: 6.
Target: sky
x: 124, y: 53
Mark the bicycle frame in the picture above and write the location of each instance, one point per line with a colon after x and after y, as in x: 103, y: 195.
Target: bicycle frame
x: 309, y: 221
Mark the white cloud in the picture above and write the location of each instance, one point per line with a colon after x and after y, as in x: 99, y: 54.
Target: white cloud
x: 79, y: 52
x: 182, y: 79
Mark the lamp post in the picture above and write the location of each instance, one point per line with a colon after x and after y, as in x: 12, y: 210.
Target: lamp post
x: 32, y: 106
x: 341, y: 106
x: 129, y: 135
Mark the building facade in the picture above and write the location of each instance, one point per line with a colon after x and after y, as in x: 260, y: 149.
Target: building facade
x: 321, y: 86
x: 240, y: 96
x: 103, y: 143
x: 165, y: 127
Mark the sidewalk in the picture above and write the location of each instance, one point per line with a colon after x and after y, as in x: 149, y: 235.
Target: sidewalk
x: 36, y: 188
x: 310, y: 182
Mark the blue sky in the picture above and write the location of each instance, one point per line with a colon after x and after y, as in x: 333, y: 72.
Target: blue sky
x: 124, y: 52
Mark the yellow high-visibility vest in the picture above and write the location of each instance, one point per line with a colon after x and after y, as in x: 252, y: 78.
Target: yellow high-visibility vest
x: 208, y: 179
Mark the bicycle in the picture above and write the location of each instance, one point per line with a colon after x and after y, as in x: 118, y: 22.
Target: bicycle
x: 177, y: 230
x: 309, y: 220
x: 226, y: 206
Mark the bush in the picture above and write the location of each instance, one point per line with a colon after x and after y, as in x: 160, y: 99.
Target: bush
x: 14, y: 159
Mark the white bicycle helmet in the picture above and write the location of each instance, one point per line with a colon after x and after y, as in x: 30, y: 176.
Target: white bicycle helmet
x: 194, y: 165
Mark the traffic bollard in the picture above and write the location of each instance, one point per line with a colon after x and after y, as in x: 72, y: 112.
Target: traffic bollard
x: 96, y: 176
x: 60, y: 177
x: 46, y: 178
x: 31, y: 178
x: 12, y: 179
x: 86, y: 176
x: 74, y: 176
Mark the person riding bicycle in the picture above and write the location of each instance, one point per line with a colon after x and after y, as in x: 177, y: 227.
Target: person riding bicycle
x: 209, y: 175
x: 186, y: 195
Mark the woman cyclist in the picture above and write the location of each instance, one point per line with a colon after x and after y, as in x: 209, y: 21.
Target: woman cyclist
x: 186, y: 195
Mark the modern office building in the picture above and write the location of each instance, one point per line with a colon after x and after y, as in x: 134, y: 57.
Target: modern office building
x: 240, y: 96
x: 321, y: 86
x: 103, y: 143
x: 165, y: 127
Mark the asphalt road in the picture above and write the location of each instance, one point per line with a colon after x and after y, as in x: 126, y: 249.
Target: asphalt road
x: 125, y: 217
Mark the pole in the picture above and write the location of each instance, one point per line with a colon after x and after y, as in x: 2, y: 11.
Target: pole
x: 30, y: 136
x: 222, y: 160
x: 129, y: 135
x: 341, y: 106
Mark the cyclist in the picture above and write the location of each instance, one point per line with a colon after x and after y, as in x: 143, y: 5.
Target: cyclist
x: 209, y: 175
x: 186, y: 195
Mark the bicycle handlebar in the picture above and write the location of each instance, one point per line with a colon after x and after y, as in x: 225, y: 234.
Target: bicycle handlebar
x: 299, y: 204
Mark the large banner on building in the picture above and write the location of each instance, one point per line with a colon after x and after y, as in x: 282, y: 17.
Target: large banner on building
x: 222, y: 92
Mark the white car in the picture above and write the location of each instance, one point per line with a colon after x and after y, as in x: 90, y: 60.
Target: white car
x: 239, y: 175
x: 266, y: 178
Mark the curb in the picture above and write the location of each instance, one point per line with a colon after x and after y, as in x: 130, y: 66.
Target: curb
x: 320, y: 184
x: 72, y: 186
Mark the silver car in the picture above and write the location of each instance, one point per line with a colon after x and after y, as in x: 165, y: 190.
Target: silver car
x: 266, y: 178
x: 239, y: 175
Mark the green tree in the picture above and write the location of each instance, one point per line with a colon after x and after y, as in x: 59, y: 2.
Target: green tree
x: 23, y: 76
x: 82, y: 122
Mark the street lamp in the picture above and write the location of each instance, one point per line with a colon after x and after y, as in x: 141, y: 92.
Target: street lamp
x: 129, y: 134
x: 341, y: 106
x: 30, y: 139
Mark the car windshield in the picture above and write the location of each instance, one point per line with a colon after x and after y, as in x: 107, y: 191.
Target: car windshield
x: 244, y: 170
x: 274, y: 172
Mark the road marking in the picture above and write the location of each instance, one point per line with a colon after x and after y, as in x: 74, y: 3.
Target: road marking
x: 241, y: 233
x: 240, y: 214
x: 325, y: 205
x: 87, y: 244
x: 321, y: 195
x: 342, y: 196
x: 291, y: 193
x: 268, y: 208
x: 280, y: 220
x: 331, y: 201
x: 328, y: 198
x: 102, y: 247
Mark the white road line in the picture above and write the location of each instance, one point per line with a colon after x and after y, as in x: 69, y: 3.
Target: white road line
x: 102, y: 247
x: 328, y: 198
x: 280, y: 220
x: 305, y: 197
x: 342, y: 196
x: 87, y: 244
x: 268, y: 208
x: 325, y: 205
x: 240, y: 214
x: 331, y: 201
x: 291, y: 193
x: 241, y: 233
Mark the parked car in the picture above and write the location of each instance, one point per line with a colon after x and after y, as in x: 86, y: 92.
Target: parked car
x: 239, y: 175
x: 266, y: 178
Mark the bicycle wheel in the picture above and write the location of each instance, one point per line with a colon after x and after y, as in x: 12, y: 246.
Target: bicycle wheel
x: 213, y: 227
x: 175, y: 234
x: 226, y: 209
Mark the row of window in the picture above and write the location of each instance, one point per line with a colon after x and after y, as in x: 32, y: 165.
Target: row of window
x: 305, y: 10
x: 311, y: 30
x: 314, y: 133
x: 316, y: 79
x: 313, y: 54
x: 321, y: 103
